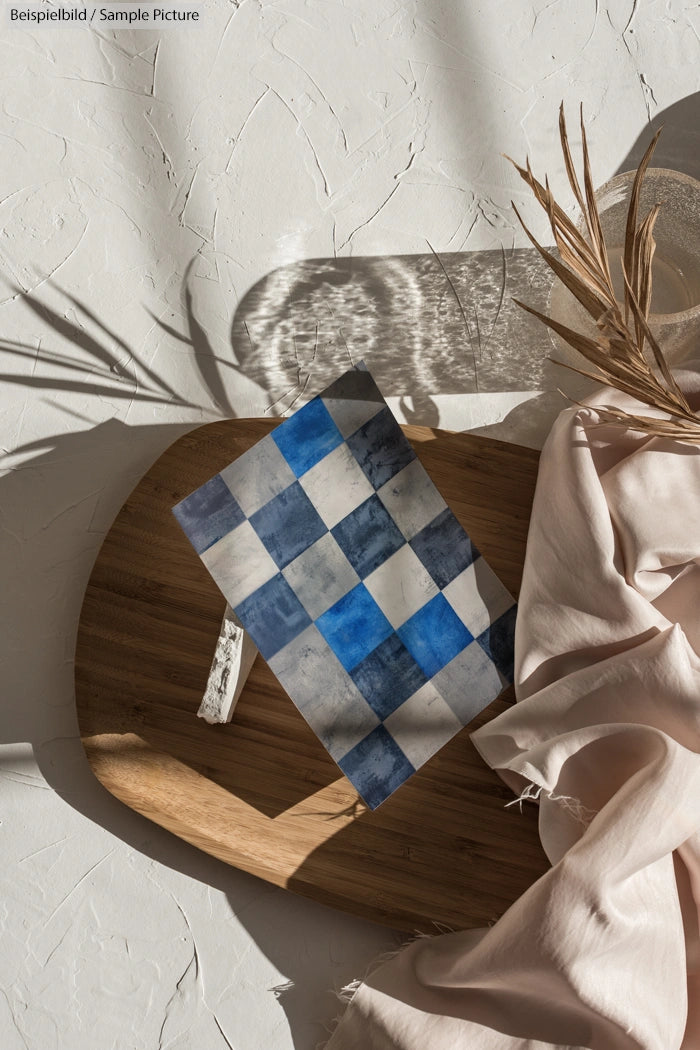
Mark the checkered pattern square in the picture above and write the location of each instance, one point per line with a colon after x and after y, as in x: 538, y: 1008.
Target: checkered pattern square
x: 288, y: 524
x: 367, y: 536
x: 354, y: 626
x: 357, y: 583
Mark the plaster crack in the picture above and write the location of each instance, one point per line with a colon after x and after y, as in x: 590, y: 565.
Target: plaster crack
x: 173, y: 998
x: 222, y: 41
x: 375, y: 213
x: 165, y: 156
x: 546, y: 7
x: 582, y: 48
x: 188, y: 191
x: 37, y: 852
x: 648, y: 93
x: 320, y: 91
x: 177, y: 993
x: 469, y: 58
x: 633, y: 12
x: 15, y: 777
x: 104, y: 84
x: 155, y: 67
x: 79, y: 883
x: 244, y: 126
x: 61, y: 939
x: 195, y: 953
x: 48, y: 276
x: 223, y: 1034
x: 302, y: 129
x: 68, y: 509
x: 13, y: 1018
x: 382, y: 129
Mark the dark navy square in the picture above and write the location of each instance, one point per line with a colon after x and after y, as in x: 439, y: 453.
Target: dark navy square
x: 381, y: 448
x: 288, y: 524
x: 208, y: 514
x: 498, y: 641
x: 307, y: 436
x: 376, y: 767
x: 273, y: 616
x: 444, y: 548
x: 368, y: 536
x: 354, y: 626
x: 434, y: 635
x: 388, y: 676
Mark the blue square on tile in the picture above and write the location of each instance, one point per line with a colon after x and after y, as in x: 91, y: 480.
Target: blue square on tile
x: 208, y: 514
x: 288, y: 524
x: 376, y: 766
x: 354, y: 626
x: 434, y: 635
x: 368, y: 536
x: 307, y: 436
x: 444, y: 548
x: 273, y: 616
x: 381, y: 448
x: 388, y: 676
x: 498, y: 641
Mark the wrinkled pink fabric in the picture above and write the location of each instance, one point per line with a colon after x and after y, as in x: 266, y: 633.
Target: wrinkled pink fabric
x: 603, y: 951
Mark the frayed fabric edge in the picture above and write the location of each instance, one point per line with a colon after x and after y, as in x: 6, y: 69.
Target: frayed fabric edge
x: 348, y: 992
x: 532, y: 792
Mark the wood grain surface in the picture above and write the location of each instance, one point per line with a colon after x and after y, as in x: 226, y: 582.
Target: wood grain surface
x: 262, y: 793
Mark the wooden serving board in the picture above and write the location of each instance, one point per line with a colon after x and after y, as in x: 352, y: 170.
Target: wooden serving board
x: 262, y: 793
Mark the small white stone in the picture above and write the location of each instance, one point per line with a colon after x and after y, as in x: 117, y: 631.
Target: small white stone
x: 233, y: 659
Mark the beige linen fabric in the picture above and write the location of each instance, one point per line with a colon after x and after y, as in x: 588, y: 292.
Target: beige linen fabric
x: 603, y: 952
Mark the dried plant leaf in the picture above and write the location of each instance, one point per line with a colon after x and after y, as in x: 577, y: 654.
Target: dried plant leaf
x: 578, y: 287
x: 595, y: 229
x: 564, y: 225
x: 661, y: 361
x: 568, y: 161
x: 633, y: 208
x: 618, y: 352
x: 645, y: 245
x: 586, y: 346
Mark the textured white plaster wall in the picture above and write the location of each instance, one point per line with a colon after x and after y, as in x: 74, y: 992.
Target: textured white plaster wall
x: 147, y: 183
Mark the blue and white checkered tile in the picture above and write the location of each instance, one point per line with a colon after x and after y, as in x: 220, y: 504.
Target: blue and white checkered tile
x: 357, y: 583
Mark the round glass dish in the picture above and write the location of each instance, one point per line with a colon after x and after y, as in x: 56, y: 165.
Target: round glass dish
x: 675, y: 302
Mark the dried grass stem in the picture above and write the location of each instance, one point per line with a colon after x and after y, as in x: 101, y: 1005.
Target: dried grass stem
x: 623, y: 351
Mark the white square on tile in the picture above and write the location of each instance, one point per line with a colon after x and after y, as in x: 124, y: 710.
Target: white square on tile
x: 478, y: 596
x: 337, y: 485
x: 240, y: 563
x: 411, y: 499
x: 349, y: 414
x: 422, y: 724
x: 325, y: 694
x: 401, y: 586
x: 258, y: 476
x: 469, y: 682
x: 320, y: 576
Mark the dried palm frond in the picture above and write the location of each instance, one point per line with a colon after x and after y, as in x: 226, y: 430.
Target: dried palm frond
x: 623, y: 350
